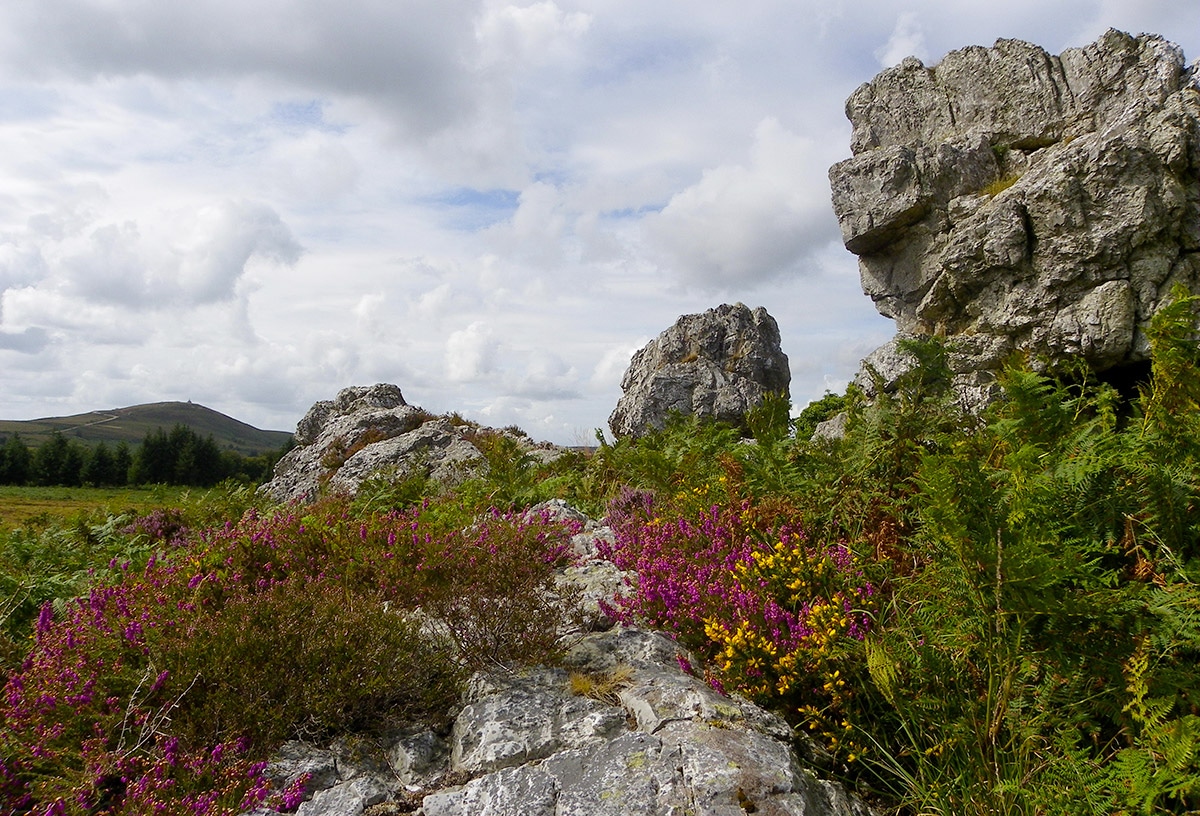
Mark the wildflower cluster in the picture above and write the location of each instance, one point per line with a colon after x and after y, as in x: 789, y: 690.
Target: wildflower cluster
x: 776, y: 618
x: 163, y: 688
x: 161, y: 526
x: 86, y: 720
x: 796, y: 644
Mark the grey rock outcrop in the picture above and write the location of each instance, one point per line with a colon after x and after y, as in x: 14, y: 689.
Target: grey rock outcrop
x: 664, y: 743
x: 657, y: 743
x: 646, y: 738
x: 717, y: 364
x: 370, y: 430
x: 1015, y: 201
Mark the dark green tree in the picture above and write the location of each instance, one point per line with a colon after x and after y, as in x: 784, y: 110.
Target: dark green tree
x: 817, y: 412
x: 155, y: 461
x: 58, y: 461
x: 122, y: 463
x: 101, y: 468
x: 181, y: 457
x: 197, y: 460
x: 15, y: 461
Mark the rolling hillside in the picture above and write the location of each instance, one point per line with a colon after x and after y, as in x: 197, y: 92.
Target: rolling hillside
x: 133, y: 423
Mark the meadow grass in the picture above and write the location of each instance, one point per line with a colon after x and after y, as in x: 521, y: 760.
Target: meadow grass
x: 39, y: 506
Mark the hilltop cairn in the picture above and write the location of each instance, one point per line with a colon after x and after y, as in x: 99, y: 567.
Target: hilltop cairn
x: 371, y: 431
x: 718, y: 364
x: 1014, y: 201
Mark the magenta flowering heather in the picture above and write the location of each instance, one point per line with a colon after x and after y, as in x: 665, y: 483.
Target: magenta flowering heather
x: 775, y: 616
x: 91, y: 720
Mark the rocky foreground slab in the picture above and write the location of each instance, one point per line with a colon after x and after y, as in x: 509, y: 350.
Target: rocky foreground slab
x: 621, y: 727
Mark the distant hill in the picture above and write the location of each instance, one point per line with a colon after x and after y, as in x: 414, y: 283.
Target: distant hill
x: 133, y: 423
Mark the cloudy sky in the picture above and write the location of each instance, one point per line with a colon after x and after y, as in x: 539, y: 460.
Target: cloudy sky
x: 254, y: 203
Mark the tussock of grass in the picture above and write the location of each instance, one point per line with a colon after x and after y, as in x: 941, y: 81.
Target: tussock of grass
x: 1001, y: 184
x: 604, y: 687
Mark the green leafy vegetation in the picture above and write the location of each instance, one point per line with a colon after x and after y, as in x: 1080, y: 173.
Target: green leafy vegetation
x: 181, y: 457
x: 993, y: 614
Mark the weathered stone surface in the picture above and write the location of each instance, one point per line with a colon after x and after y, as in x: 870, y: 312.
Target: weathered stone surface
x: 651, y: 739
x: 437, y: 447
x: 667, y: 744
x: 596, y: 583
x: 418, y: 760
x: 716, y: 364
x: 370, y: 430
x: 345, y: 799
x: 296, y: 759
x: 528, y: 721
x: 1015, y: 201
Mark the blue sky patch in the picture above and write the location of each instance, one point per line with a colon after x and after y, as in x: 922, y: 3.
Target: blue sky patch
x: 469, y: 209
x: 300, y: 115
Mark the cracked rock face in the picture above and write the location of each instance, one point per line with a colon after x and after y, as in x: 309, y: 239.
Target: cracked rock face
x: 666, y: 743
x: 1015, y: 201
x: 718, y: 364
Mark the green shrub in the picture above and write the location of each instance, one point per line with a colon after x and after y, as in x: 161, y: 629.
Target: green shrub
x: 817, y: 412
x: 492, y: 586
x: 1054, y: 547
x: 686, y: 464
x: 304, y: 659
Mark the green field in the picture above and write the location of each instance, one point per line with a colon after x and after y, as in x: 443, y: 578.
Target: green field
x: 20, y: 506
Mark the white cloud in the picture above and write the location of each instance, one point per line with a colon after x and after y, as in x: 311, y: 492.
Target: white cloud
x: 471, y: 353
x: 315, y: 167
x: 907, y: 40
x: 498, y: 201
x: 510, y: 34
x: 535, y: 232
x: 406, y: 56
x: 187, y: 258
x: 21, y: 263
x: 749, y: 222
x: 612, y: 364
x: 27, y: 341
x: 546, y: 376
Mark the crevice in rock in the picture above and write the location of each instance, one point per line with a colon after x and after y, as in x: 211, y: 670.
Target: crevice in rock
x: 1128, y: 379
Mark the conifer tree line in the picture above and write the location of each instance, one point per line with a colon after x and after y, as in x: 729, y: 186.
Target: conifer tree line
x: 180, y: 457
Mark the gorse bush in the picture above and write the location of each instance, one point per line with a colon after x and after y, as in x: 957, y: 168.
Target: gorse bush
x: 775, y: 617
x: 793, y: 636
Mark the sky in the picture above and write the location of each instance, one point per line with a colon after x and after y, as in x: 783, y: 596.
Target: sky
x: 252, y: 204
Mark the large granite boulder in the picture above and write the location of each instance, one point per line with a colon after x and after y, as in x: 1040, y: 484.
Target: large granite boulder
x: 718, y: 364
x: 369, y: 431
x: 1015, y: 201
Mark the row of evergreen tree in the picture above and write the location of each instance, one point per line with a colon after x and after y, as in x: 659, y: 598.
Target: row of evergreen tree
x: 181, y: 457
